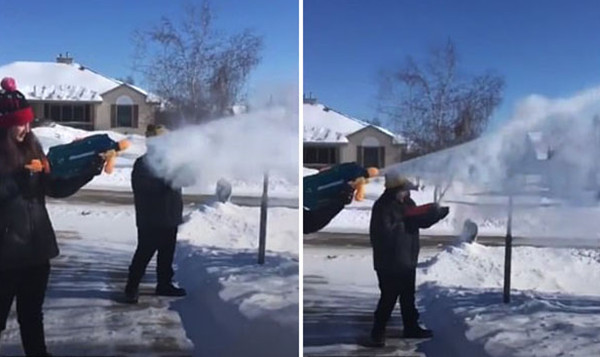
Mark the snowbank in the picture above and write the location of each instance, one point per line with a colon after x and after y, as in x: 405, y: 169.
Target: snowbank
x: 540, y: 269
x: 229, y: 226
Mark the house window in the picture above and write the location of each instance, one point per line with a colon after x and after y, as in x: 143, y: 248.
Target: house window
x: 370, y: 153
x: 321, y: 155
x: 373, y: 156
x: 124, y: 113
x: 75, y: 115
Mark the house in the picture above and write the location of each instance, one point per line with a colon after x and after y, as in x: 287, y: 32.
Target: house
x: 331, y: 137
x: 70, y: 94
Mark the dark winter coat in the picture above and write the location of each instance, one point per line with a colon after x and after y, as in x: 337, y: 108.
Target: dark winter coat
x: 26, y: 234
x: 394, y: 231
x: 157, y: 204
x: 316, y: 219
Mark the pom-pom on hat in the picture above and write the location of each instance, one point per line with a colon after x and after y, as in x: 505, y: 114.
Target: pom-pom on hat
x: 395, y: 180
x: 14, y: 108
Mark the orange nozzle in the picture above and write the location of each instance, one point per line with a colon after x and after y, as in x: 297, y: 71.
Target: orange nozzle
x: 124, y: 144
x: 373, y: 171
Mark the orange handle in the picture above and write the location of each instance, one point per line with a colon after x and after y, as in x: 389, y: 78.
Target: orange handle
x: 110, y: 165
x: 38, y: 166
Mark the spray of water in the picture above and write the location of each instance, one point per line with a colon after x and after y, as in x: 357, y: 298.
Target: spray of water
x: 555, y: 140
x: 240, y: 147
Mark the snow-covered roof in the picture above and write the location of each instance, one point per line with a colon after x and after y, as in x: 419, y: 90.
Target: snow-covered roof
x: 325, y: 125
x: 62, y: 81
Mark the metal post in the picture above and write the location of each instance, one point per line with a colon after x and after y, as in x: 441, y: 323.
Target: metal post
x: 262, y: 236
x: 508, y: 251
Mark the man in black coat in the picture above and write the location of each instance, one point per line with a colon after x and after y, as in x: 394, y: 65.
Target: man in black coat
x: 158, y: 210
x: 394, y: 234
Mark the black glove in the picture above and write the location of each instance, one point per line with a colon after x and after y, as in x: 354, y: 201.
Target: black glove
x: 346, y: 194
x: 443, y: 212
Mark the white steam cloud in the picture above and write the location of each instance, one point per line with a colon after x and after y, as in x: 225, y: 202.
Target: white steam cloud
x: 240, y: 147
x: 556, y: 141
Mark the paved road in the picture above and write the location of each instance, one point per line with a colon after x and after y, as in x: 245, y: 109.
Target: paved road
x: 126, y: 198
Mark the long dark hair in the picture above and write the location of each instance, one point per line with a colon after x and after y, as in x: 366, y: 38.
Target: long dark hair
x: 15, y: 155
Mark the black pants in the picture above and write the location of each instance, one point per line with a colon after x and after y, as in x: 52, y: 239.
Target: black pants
x: 151, y: 240
x: 397, y: 286
x: 28, y: 285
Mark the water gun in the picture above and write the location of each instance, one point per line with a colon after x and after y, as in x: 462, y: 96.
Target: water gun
x: 323, y: 187
x: 71, y: 160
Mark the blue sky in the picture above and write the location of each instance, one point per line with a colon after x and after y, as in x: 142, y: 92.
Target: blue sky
x: 98, y: 33
x: 545, y: 47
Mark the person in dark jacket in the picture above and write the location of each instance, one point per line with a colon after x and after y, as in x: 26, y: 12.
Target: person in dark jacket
x: 27, y: 239
x: 158, y: 211
x: 317, y: 219
x: 394, y: 234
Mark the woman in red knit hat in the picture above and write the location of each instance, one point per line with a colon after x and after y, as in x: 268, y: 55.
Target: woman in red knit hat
x: 27, y: 239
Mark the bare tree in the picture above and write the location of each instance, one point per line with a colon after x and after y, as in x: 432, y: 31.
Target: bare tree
x: 432, y: 107
x: 198, y: 70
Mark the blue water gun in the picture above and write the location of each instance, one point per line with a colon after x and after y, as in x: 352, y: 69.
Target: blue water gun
x: 326, y: 186
x: 73, y: 159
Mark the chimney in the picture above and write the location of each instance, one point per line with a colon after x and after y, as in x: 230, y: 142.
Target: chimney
x: 309, y: 100
x: 66, y: 59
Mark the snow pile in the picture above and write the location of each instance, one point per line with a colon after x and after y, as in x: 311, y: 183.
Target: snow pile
x: 228, y: 237
x: 539, y: 269
x: 263, y: 290
x: 552, y: 311
x: 227, y: 226
x: 230, y: 233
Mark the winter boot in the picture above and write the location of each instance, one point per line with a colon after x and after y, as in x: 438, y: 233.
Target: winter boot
x: 131, y: 294
x: 375, y: 342
x: 417, y: 332
x: 376, y: 339
x: 169, y: 290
